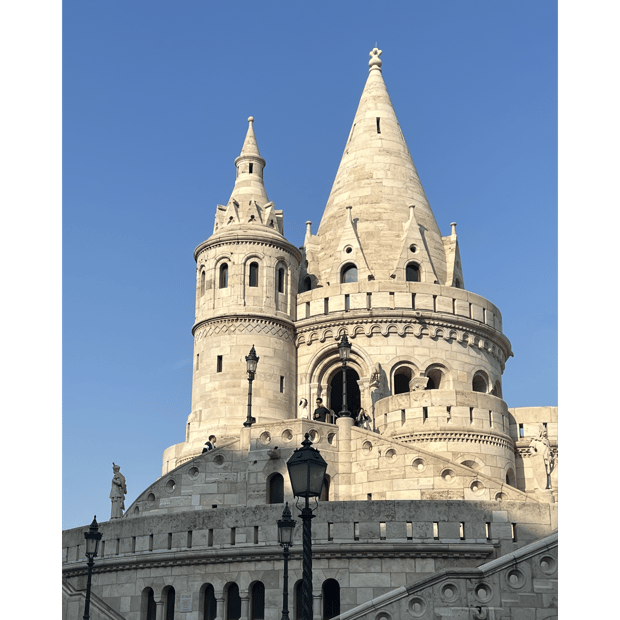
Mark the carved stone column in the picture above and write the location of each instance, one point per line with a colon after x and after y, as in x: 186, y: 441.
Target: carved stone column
x: 317, y: 599
x: 220, y: 611
x: 159, y: 611
x: 245, y: 607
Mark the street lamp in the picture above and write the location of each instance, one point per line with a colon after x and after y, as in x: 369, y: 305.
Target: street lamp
x: 286, y: 525
x: 252, y: 361
x: 306, y: 469
x: 93, y: 536
x: 344, y: 350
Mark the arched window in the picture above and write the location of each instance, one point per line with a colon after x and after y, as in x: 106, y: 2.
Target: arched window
x: 203, y: 278
x: 148, y: 609
x: 169, y: 596
x: 224, y: 275
x: 253, y: 280
x: 497, y: 389
x: 298, y: 601
x: 257, y: 601
x: 325, y: 490
x: 331, y: 599
x: 281, y: 274
x: 402, y: 377
x: 349, y: 273
x: 233, y: 602
x: 275, y: 491
x: 306, y: 284
x: 209, y: 604
x: 436, y: 379
x: 412, y: 272
x: 479, y: 384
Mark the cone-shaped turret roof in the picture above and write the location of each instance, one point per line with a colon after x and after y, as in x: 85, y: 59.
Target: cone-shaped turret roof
x: 378, y: 179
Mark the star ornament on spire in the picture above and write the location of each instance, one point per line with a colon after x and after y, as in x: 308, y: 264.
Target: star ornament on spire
x: 375, y: 61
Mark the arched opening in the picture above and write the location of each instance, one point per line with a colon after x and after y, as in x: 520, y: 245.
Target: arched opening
x: 224, y: 275
x: 325, y: 490
x: 275, y: 489
x: 436, y: 379
x: 297, y: 600
x: 209, y: 604
x: 306, y: 284
x: 479, y: 383
x: 412, y: 272
x: 233, y: 602
x: 253, y: 279
x: 203, y: 279
x: 148, y: 608
x: 353, y: 392
x: 348, y: 274
x: 402, y: 377
x: 497, y: 389
x: 331, y: 599
x: 257, y: 601
x: 281, y: 274
x: 169, y: 596
x: 510, y: 477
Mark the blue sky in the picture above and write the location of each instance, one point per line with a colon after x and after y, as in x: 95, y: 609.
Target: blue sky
x: 156, y: 97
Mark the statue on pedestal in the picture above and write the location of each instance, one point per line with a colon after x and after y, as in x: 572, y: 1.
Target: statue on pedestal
x: 118, y: 492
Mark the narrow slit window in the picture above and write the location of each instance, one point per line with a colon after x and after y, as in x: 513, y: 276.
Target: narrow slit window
x: 424, y: 414
x: 356, y: 531
x: 484, y: 315
x: 368, y: 301
x: 233, y: 535
x: 281, y: 385
x: 382, y: 530
x: 210, y: 538
x: 369, y: 497
x: 281, y: 280
x: 189, y: 539
x: 169, y: 540
x: 330, y: 531
x: 219, y: 363
x: 326, y: 305
x: 413, y: 301
x: 102, y: 548
x: 487, y: 526
x: 307, y: 309
x: 490, y: 418
x: 378, y: 124
x: 471, y: 311
x: 513, y: 528
x: 251, y: 168
x: 462, y: 530
x: 224, y: 275
x: 392, y: 306
x: 256, y: 534
x: 471, y: 415
x: 133, y: 544
x: 253, y: 275
x: 203, y: 279
x: 434, y: 303
x: 436, y: 530
x: 454, y: 306
x: 150, y: 542
x: 118, y: 546
x: 197, y: 361
x: 347, y: 303
x: 409, y: 530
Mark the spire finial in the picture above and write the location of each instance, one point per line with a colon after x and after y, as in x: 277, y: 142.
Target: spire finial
x: 250, y: 119
x: 375, y: 62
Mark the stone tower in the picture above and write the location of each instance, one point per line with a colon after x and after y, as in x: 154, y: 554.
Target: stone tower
x: 428, y: 356
x: 246, y: 284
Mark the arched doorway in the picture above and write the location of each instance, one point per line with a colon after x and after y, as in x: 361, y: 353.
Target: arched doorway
x: 353, y: 392
x: 331, y: 599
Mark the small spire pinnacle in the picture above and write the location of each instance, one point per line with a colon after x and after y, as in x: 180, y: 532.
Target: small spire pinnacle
x: 375, y: 62
x: 453, y: 224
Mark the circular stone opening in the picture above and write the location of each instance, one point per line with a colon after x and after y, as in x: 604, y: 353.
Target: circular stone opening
x: 170, y: 486
x: 500, y: 497
x: 417, y: 607
x: 476, y: 487
x: 419, y: 465
x: 515, y: 578
x: 193, y: 472
x: 331, y: 439
x: 287, y: 435
x: 448, y: 475
x: 548, y: 564
x: 449, y: 592
x: 366, y: 447
x: 413, y: 248
x: 314, y: 436
x: 348, y: 249
x: 218, y: 460
x: 265, y: 438
x: 483, y: 592
x: 151, y: 498
x: 390, y: 455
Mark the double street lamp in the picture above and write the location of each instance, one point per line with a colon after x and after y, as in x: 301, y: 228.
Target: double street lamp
x: 251, y: 361
x: 344, y: 351
x: 92, y: 536
x: 286, y: 525
x: 306, y: 469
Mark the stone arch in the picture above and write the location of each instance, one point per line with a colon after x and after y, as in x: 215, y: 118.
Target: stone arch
x: 439, y: 375
x: 348, y: 272
x: 148, y: 608
x: 396, y: 365
x: 169, y: 596
x: 470, y: 460
x: 232, y: 601
x: 480, y: 382
x: 330, y: 591
x: 275, y: 488
x: 207, y: 603
x: 257, y: 600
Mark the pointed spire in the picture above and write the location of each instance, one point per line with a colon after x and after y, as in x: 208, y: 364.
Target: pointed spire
x: 378, y: 178
x: 249, y: 184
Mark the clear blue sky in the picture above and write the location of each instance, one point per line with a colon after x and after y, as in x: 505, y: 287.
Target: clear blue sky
x: 156, y: 97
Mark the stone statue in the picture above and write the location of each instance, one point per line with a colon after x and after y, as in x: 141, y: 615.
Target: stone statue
x: 118, y: 492
x: 303, y: 408
x: 542, y: 457
x: 378, y: 390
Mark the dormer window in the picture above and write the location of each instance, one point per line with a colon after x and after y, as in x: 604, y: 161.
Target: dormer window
x: 349, y: 273
x: 412, y: 272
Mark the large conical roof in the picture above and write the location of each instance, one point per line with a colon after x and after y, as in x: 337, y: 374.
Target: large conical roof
x: 378, y: 179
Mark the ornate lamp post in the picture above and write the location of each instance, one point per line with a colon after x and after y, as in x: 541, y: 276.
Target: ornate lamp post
x: 286, y: 525
x: 344, y: 350
x: 306, y: 469
x: 252, y: 361
x: 93, y: 536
